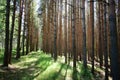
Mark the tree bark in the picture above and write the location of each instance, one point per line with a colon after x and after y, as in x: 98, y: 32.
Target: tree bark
x: 12, y: 30
x: 92, y: 26
x: 19, y: 30
x: 119, y: 29
x: 73, y: 34
x: 6, y: 53
x: 84, y: 34
x: 113, y: 37
x: 105, y: 43
x: 55, y: 32
x: 65, y: 26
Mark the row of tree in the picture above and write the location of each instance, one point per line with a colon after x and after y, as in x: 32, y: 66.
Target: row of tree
x: 83, y: 30
x: 23, y: 24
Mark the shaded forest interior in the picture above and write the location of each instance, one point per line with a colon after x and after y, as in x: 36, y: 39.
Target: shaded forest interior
x: 59, y: 39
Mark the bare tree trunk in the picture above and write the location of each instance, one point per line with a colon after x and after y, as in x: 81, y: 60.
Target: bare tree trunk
x: 27, y: 29
x: 19, y: 30
x: 55, y: 32
x: 65, y: 26
x: 113, y: 37
x: 24, y: 29
x: 73, y: 34
x: 105, y: 44
x: 12, y: 30
x: 119, y: 29
x: 100, y: 33
x: 84, y: 34
x: 6, y: 53
x: 92, y: 26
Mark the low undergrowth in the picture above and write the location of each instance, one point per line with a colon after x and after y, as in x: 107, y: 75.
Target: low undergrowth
x: 40, y: 66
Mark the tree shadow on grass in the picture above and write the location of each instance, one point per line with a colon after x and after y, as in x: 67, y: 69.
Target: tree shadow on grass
x: 85, y: 73
x: 34, y: 65
x: 55, y: 76
x: 74, y: 75
x: 1, y: 60
x: 28, y: 70
x: 19, y: 74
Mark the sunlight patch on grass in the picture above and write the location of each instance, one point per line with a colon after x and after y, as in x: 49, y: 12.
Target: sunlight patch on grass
x: 50, y: 72
x: 25, y: 62
x: 61, y: 59
x: 57, y: 71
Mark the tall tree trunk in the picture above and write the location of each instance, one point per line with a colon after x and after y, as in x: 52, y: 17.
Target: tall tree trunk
x: 113, y: 37
x: 27, y: 29
x: 69, y: 31
x: 73, y: 34
x: 55, y: 32
x: 19, y: 30
x: 12, y: 30
x: 24, y: 29
x: 80, y: 34
x: 105, y: 43
x: 65, y: 26
x: 60, y: 32
x: 119, y: 29
x: 100, y: 33
x: 84, y: 34
x: 6, y: 53
x: 92, y: 26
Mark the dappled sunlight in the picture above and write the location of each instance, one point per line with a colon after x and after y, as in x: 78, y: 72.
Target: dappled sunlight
x: 42, y: 67
x: 56, y: 71
x: 28, y: 68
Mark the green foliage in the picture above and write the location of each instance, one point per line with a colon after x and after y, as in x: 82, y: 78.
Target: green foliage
x: 2, y: 20
x: 86, y: 72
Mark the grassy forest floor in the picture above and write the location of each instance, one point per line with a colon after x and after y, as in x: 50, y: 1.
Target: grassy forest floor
x: 40, y: 66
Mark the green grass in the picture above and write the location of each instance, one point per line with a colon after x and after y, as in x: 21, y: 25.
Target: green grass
x: 39, y: 66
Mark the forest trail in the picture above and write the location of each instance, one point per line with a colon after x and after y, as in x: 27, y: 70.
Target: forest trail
x: 39, y: 66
